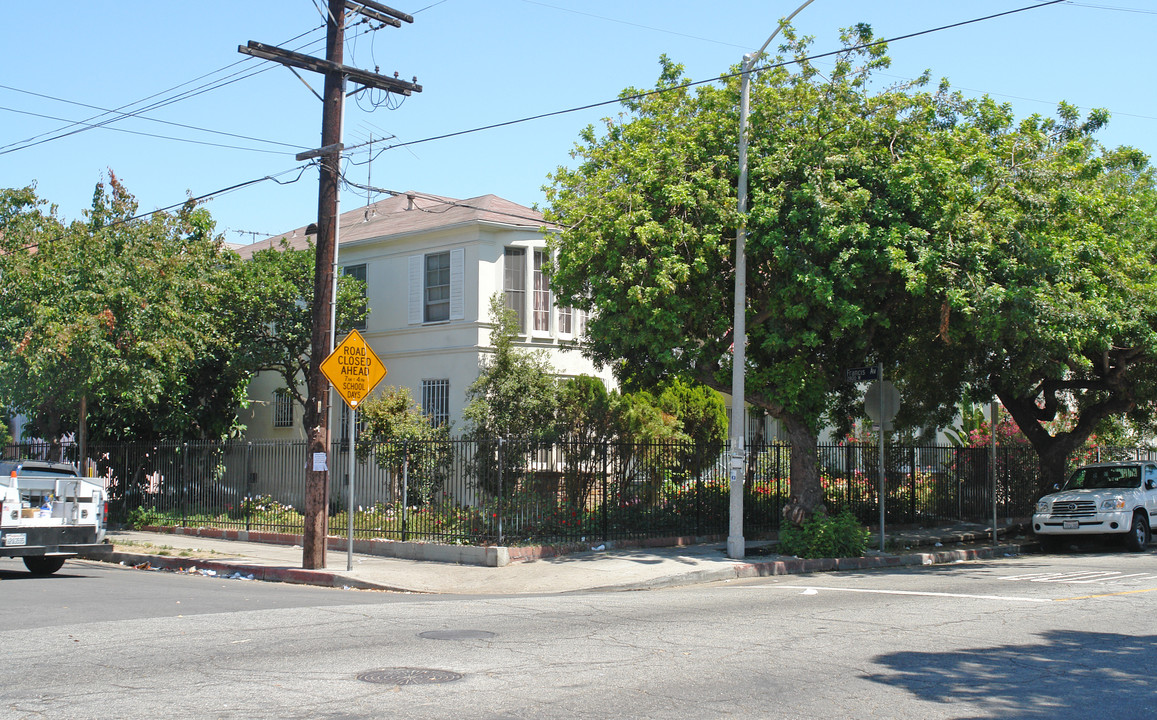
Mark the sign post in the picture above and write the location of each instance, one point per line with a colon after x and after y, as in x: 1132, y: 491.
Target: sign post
x: 354, y: 370
x: 881, y: 402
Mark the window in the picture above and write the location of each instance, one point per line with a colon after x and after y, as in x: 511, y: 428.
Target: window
x: 756, y: 426
x: 564, y: 321
x: 572, y: 323
x: 345, y: 424
x: 541, y: 294
x: 358, y: 272
x: 514, y: 283
x: 437, y: 285
x: 282, y: 408
x: 436, y: 401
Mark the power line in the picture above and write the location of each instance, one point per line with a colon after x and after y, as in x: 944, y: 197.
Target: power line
x: 146, y: 134
x: 727, y: 76
x: 224, y: 191
x: 605, y: 103
x: 441, y: 201
x: 89, y: 123
x: 129, y: 115
x: 1110, y: 7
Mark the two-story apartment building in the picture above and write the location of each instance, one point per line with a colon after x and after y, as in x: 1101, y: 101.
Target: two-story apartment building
x: 431, y: 265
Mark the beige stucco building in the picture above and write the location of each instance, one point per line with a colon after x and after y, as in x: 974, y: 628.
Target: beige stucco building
x: 431, y: 265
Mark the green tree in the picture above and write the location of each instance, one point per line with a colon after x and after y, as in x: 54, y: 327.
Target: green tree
x: 401, y: 440
x: 1047, y: 282
x: 512, y: 402
x: 273, y: 294
x: 702, y: 418
x: 1086, y: 337
x: 649, y: 222
x: 116, y: 312
x: 586, y: 427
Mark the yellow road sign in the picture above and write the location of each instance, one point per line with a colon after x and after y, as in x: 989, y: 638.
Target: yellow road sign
x: 353, y: 368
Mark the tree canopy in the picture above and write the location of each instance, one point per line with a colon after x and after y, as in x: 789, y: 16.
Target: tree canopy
x: 119, y: 312
x: 150, y: 321
x: 273, y: 294
x: 969, y: 253
x: 1049, y: 281
x: 649, y: 223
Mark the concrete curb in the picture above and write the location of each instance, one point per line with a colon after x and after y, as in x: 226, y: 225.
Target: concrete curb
x: 483, y: 556
x: 478, y: 555
x: 733, y: 570
x: 264, y: 573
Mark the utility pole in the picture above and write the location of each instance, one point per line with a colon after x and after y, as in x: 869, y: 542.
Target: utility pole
x: 322, y: 339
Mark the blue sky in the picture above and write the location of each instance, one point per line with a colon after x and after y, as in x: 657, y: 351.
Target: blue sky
x: 480, y: 63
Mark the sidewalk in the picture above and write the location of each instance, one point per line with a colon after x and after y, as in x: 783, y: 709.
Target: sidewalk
x: 616, y: 569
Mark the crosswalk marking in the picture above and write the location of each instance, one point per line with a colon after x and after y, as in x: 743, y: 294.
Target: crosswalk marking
x: 815, y: 589
x: 1085, y: 577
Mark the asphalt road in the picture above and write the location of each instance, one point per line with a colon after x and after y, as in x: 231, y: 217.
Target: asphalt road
x: 1059, y: 636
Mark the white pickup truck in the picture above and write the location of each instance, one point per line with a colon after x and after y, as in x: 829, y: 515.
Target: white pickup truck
x: 49, y: 513
x: 1118, y: 498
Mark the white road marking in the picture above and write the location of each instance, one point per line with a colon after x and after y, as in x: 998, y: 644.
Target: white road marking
x: 1031, y: 576
x: 915, y: 593
x: 1078, y: 577
x: 1107, y: 577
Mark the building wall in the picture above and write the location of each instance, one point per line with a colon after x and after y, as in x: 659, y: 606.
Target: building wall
x: 451, y: 350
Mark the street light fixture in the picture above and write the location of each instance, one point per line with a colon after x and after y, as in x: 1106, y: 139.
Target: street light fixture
x: 735, y: 543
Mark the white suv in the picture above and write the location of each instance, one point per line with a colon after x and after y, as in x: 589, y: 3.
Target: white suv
x: 1103, y: 499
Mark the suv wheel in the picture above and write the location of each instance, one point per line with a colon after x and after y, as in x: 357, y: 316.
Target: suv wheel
x: 1138, y: 536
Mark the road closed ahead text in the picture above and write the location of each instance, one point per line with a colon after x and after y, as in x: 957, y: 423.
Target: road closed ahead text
x: 354, y: 369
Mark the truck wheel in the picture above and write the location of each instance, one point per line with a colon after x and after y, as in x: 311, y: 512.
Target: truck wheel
x: 1138, y: 536
x: 42, y: 565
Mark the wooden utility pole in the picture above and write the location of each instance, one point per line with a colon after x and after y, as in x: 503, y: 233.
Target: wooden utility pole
x: 321, y: 339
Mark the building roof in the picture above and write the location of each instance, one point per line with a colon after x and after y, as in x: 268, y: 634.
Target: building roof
x: 408, y: 213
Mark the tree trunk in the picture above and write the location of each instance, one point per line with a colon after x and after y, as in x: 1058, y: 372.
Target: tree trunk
x: 1053, y: 464
x: 807, y: 495
x: 49, y: 422
x: 1053, y: 451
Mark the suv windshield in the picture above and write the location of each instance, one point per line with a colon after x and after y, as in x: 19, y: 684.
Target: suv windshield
x: 1123, y: 477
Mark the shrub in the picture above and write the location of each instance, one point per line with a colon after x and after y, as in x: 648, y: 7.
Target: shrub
x: 823, y: 536
x: 140, y: 517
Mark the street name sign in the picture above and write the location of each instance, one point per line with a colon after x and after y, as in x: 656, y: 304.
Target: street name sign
x: 860, y: 374
x: 353, y: 368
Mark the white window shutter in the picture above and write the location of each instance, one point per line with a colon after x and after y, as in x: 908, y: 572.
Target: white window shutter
x: 415, y: 310
x: 457, y: 284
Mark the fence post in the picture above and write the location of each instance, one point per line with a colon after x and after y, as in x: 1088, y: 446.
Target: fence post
x: 912, y: 468
x: 405, y: 485
x: 697, y: 454
x: 188, y: 472
x: 501, y: 472
x: 606, y: 497
x: 250, y: 480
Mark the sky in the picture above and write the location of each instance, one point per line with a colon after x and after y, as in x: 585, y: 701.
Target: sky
x: 222, y: 119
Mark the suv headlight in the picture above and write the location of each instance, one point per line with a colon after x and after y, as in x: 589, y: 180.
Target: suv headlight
x: 1042, y: 506
x: 1117, y: 503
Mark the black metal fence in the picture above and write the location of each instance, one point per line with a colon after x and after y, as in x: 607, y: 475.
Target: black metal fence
x: 512, y: 491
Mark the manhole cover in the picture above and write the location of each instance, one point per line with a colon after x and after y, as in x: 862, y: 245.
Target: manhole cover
x: 456, y: 634
x: 409, y: 676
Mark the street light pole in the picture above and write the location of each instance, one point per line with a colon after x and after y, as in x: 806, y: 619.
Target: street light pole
x: 735, y: 543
